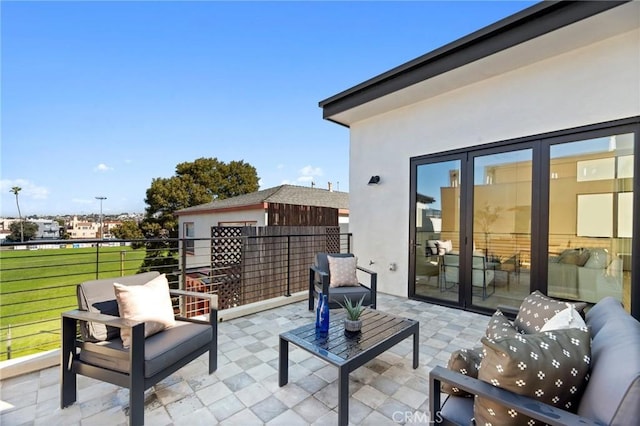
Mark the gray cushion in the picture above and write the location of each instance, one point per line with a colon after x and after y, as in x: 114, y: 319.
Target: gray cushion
x: 337, y: 294
x: 161, y: 350
x: 457, y: 409
x: 613, y: 394
x: 97, y: 296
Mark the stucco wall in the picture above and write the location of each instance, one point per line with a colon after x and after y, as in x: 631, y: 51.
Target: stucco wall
x: 594, y: 84
x: 202, y: 228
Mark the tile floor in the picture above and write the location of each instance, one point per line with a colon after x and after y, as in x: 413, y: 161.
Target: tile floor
x: 244, y: 390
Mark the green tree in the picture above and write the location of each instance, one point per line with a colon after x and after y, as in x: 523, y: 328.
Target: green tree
x: 198, y: 182
x: 129, y: 230
x: 22, y: 231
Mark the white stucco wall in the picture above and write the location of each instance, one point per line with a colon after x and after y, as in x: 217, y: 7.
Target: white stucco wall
x: 202, y: 228
x: 593, y: 84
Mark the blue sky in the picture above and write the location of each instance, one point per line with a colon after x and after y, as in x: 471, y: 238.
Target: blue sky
x: 99, y: 98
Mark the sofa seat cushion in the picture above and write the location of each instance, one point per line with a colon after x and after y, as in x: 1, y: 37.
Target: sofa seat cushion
x: 613, y: 394
x: 355, y: 293
x: 456, y: 409
x: 551, y: 367
x: 161, y: 350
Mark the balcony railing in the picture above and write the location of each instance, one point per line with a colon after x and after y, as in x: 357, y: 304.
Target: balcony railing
x: 38, y: 278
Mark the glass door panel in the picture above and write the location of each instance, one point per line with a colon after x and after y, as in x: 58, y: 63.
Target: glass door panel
x: 590, y: 219
x: 501, y: 228
x: 437, y: 228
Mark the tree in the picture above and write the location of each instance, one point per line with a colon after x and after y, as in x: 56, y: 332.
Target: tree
x: 129, y: 230
x: 198, y: 182
x: 16, y: 190
x: 22, y: 231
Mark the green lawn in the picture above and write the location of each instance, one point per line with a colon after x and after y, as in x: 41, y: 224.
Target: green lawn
x: 37, y: 285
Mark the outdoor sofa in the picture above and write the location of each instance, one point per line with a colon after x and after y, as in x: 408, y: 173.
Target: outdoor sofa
x: 611, y: 395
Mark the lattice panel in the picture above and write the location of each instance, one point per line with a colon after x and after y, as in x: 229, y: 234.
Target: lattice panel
x: 226, y: 265
x: 333, y: 240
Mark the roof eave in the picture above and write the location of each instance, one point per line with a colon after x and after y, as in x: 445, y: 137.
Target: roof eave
x: 528, y: 24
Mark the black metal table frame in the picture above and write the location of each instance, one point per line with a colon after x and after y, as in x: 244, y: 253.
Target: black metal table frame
x: 345, y: 366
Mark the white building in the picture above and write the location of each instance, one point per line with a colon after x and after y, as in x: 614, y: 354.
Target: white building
x: 525, y: 134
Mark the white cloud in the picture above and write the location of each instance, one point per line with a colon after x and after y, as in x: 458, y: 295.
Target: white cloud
x: 309, y: 173
x: 29, y: 189
x: 102, y: 168
x: 280, y: 166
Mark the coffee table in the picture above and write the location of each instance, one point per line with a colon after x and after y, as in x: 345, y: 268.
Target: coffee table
x: 380, y: 331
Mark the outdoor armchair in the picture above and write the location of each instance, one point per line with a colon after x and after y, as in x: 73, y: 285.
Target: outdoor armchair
x: 320, y: 280
x: 100, y: 352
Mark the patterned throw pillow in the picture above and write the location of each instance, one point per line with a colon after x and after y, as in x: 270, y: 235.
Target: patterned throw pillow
x: 551, y: 367
x: 342, y: 271
x: 536, y: 309
x: 500, y: 326
x: 463, y: 361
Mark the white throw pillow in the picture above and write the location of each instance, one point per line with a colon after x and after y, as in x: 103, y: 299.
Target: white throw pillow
x: 150, y: 303
x: 444, y: 247
x: 342, y: 271
x: 567, y: 318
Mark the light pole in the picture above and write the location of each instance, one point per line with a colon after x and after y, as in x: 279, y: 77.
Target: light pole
x: 101, y: 198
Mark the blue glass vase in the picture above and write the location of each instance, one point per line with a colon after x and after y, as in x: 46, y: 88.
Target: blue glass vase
x: 324, y: 316
x: 318, y: 306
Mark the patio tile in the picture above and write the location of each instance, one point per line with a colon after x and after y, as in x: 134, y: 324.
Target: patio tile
x: 183, y: 407
x: 269, y: 408
x: 245, y: 417
x: 253, y: 394
x: 311, y: 409
x: 370, y: 396
x: 289, y: 418
x: 226, y: 407
x: 199, y: 417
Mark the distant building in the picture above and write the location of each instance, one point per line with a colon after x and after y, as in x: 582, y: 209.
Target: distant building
x: 48, y: 229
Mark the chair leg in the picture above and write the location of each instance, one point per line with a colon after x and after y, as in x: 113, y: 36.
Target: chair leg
x: 136, y: 406
x: 213, y: 347
x: 136, y: 376
x: 68, y: 383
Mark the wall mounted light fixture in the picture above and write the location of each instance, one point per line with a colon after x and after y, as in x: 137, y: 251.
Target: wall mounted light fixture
x: 374, y: 180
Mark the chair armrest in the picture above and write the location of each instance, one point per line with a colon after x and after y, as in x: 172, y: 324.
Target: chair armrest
x: 524, y: 405
x: 324, y: 278
x: 109, y: 320
x: 368, y: 271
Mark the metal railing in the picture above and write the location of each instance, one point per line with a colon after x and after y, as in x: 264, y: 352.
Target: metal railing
x: 38, y: 279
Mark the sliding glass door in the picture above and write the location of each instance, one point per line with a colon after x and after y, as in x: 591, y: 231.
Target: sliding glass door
x: 502, y: 189
x: 436, y: 228
x: 591, y: 218
x: 556, y: 214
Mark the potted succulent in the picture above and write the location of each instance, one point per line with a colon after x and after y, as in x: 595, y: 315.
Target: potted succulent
x: 353, y: 323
